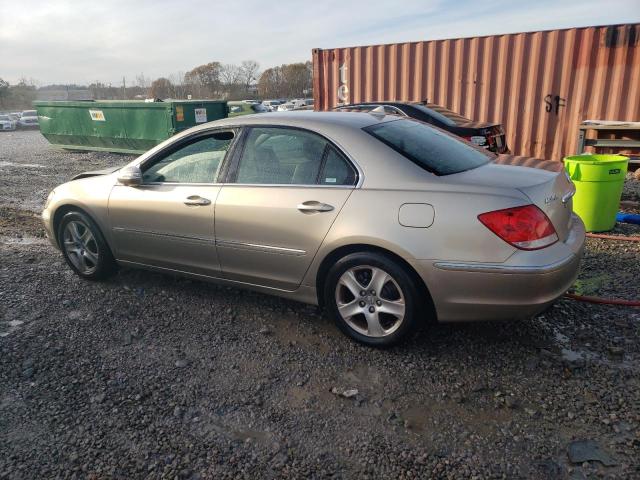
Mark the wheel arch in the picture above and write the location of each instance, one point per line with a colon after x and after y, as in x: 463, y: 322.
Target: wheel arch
x: 344, y: 250
x: 62, y: 210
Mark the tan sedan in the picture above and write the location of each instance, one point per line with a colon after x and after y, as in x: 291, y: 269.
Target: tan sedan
x: 385, y: 221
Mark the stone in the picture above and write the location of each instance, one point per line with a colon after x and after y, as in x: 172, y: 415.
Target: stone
x: 581, y: 451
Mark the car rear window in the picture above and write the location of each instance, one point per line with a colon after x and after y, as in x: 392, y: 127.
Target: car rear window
x: 430, y: 148
x: 444, y: 115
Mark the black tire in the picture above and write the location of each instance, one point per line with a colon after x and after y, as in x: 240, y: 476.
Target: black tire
x: 105, y: 265
x: 360, y: 263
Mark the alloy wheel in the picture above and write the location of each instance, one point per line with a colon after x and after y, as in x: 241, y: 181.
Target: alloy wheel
x: 81, y: 247
x: 370, y: 301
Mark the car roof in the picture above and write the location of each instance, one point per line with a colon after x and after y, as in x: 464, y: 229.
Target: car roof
x: 306, y: 118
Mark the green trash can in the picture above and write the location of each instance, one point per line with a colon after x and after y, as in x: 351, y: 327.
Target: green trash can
x: 599, y: 180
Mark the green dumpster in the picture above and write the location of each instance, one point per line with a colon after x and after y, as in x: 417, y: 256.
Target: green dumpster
x: 599, y: 180
x: 122, y: 126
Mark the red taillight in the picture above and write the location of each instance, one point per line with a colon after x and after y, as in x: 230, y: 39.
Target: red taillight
x: 526, y: 228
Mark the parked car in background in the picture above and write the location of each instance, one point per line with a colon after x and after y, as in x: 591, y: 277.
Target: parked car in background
x: 386, y: 221
x: 302, y: 102
x: 487, y: 135
x: 272, y: 105
x: 28, y: 119
x: 285, y: 107
x: 245, y: 108
x: 304, y: 107
x: 7, y: 123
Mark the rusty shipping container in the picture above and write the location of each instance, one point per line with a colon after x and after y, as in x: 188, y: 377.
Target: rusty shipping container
x: 539, y: 85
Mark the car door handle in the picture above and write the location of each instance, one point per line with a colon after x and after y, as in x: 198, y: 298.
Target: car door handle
x: 195, y: 200
x: 314, y: 207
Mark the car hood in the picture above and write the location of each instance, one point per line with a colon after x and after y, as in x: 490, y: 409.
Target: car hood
x: 96, y: 173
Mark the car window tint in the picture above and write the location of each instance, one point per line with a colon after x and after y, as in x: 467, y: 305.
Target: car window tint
x: 430, y: 148
x: 443, y: 115
x: 337, y: 171
x: 281, y: 156
x: 197, y: 162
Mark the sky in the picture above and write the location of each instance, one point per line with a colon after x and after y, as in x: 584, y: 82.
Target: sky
x: 83, y: 41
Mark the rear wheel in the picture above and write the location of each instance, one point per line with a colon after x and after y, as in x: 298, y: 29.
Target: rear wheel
x: 84, y: 247
x: 372, y: 299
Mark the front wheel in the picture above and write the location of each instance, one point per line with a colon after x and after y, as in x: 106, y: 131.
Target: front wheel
x: 84, y: 248
x: 372, y: 299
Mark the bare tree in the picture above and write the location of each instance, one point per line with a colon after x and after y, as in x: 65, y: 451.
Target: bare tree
x: 229, y: 74
x: 161, y: 88
x: 249, y: 73
x: 179, y: 88
x: 204, y: 81
x: 289, y: 80
x: 142, y: 81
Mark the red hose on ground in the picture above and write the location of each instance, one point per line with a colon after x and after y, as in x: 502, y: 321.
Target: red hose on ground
x: 604, y: 301
x: 614, y: 237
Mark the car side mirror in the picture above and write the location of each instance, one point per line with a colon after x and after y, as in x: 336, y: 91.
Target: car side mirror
x: 130, y: 176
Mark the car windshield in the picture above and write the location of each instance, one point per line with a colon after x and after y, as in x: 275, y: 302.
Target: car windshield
x: 5, y: 118
x: 430, y: 148
x: 29, y: 113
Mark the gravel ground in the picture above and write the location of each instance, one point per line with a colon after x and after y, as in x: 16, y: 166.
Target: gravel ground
x: 150, y: 376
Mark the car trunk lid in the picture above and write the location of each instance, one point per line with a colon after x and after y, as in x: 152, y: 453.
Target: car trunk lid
x: 550, y: 191
x: 553, y: 197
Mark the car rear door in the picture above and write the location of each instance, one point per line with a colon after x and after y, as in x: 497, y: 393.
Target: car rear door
x: 284, y: 192
x: 168, y: 220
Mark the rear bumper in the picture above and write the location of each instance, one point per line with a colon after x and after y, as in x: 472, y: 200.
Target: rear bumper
x: 528, y: 283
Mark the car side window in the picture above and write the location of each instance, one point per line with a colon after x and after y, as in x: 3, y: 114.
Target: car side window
x: 337, y: 171
x: 197, y: 162
x: 281, y: 156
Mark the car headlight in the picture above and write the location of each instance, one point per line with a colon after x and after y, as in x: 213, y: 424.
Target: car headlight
x: 49, y: 198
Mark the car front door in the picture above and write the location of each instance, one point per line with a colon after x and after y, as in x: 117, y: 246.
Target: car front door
x: 168, y: 220
x: 284, y: 191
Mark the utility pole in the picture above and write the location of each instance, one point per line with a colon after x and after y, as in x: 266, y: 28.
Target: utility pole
x: 124, y: 89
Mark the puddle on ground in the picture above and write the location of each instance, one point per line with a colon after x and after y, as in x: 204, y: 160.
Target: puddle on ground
x: 214, y: 425
x: 288, y: 329
x: 23, y: 241
x: 575, y: 355
x: 572, y: 356
x: 25, y: 165
x: 363, y: 375
x: 424, y: 418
